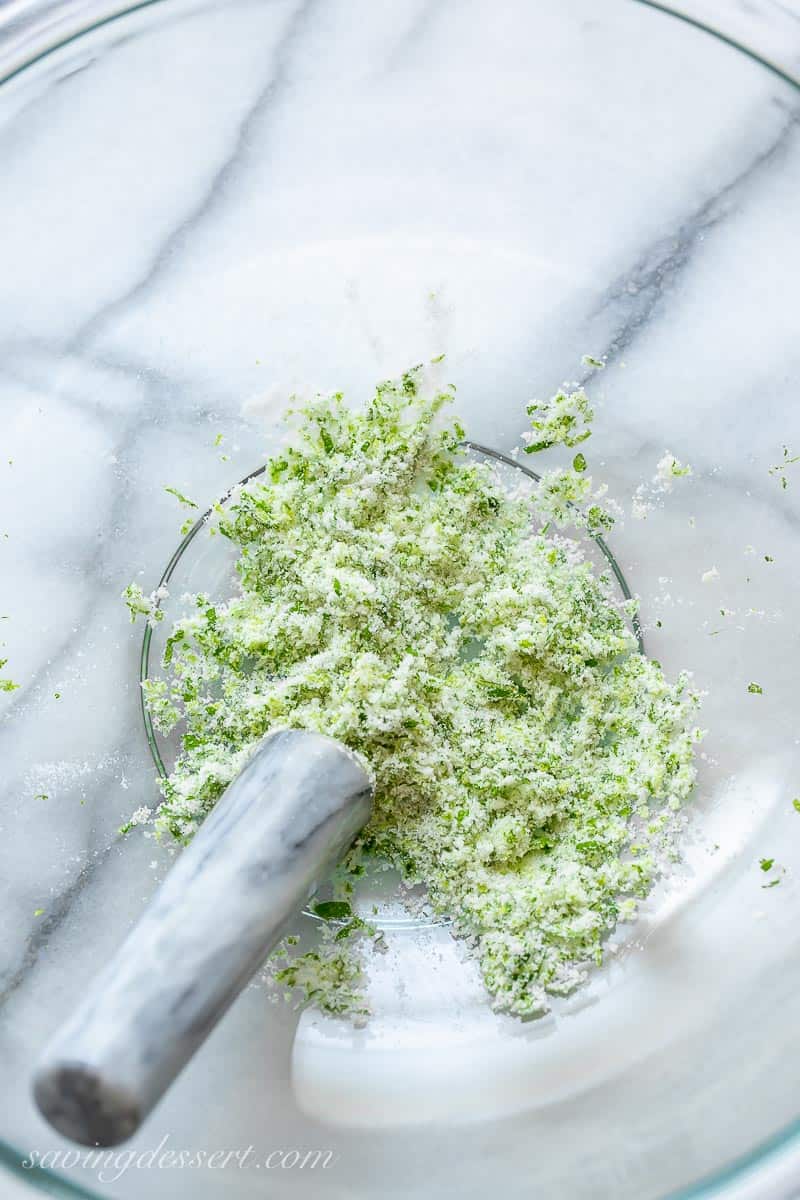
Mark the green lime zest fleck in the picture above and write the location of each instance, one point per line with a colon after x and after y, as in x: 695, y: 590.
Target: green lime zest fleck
x: 141, y: 605
x: 7, y: 685
x: 563, y: 421
x: 780, y: 468
x: 179, y: 496
x: 333, y: 910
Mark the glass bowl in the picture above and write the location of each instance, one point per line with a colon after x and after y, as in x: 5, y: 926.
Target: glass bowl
x: 208, y: 203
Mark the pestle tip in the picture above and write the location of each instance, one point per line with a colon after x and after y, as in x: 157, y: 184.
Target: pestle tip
x: 83, y: 1106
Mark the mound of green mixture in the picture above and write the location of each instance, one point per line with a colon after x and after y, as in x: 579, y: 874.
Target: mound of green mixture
x: 394, y: 593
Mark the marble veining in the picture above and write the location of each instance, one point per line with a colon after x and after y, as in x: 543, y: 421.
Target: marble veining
x: 642, y: 287
x: 268, y: 96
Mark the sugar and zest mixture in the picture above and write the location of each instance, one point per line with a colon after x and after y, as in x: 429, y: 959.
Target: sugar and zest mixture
x: 530, y: 763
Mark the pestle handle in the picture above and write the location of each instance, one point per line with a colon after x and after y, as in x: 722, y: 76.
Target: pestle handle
x: 262, y: 851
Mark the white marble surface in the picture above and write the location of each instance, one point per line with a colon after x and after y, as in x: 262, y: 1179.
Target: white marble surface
x: 205, y: 203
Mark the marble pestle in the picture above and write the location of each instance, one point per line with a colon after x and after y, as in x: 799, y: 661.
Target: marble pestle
x: 262, y: 851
